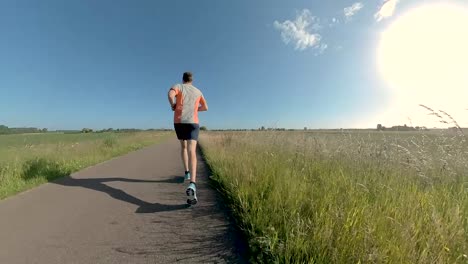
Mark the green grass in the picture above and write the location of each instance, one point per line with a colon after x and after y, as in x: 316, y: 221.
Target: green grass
x: 303, y: 197
x: 30, y: 160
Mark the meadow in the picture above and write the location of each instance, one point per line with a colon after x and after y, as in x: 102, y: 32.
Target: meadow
x: 345, y: 197
x: 28, y: 160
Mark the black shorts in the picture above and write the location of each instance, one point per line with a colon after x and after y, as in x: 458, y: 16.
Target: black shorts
x: 187, y: 131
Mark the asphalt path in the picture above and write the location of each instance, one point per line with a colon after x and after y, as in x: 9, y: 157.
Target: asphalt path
x: 131, y: 209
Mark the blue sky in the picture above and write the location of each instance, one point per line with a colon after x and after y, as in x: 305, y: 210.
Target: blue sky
x: 110, y: 63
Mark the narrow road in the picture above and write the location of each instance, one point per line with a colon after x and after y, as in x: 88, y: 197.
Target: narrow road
x: 131, y: 209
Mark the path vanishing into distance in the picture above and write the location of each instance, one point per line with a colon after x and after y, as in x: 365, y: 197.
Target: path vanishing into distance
x: 131, y: 209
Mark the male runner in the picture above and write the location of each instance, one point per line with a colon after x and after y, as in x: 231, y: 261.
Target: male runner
x: 189, y: 101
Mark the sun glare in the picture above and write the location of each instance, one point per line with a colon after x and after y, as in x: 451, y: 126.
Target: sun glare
x: 423, y: 57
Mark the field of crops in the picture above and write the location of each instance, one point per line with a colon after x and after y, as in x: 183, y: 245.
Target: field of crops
x: 29, y: 160
x: 342, y: 197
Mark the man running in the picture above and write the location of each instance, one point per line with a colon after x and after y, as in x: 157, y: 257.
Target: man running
x: 189, y: 101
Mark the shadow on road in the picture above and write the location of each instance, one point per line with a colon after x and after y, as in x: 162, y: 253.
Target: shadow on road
x: 98, y: 184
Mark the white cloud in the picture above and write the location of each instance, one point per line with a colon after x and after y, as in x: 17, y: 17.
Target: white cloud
x: 350, y: 11
x: 387, y: 9
x: 322, y: 48
x: 303, y: 31
x: 334, y: 21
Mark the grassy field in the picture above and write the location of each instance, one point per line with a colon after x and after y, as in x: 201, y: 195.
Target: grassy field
x: 29, y: 160
x: 373, y: 197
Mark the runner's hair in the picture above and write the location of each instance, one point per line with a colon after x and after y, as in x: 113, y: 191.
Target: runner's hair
x: 188, y: 77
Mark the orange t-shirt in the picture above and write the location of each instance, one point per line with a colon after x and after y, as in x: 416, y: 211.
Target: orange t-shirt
x: 188, y: 99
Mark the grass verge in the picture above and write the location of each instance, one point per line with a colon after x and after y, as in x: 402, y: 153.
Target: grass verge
x: 345, y: 198
x: 27, y: 161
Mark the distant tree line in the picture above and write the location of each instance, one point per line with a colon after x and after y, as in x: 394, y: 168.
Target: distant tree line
x: 277, y: 129
x: 233, y: 129
x: 4, y: 130
x: 122, y: 130
x: 401, y: 128
x: 258, y: 129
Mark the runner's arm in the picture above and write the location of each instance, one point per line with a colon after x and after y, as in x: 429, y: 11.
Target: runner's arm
x: 171, y: 96
x: 203, y: 105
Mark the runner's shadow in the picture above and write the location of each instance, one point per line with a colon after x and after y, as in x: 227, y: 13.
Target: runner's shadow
x: 98, y: 184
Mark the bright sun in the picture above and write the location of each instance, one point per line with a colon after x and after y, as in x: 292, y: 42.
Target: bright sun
x: 423, y: 57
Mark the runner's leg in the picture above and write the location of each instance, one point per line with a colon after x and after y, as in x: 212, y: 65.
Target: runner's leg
x: 184, y: 154
x: 192, y: 147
